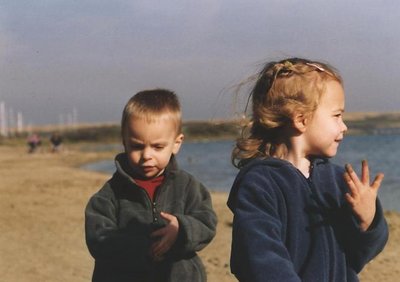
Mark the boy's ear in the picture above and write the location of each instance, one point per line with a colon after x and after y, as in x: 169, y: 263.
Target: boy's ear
x: 123, y: 141
x: 300, y: 122
x: 178, y: 143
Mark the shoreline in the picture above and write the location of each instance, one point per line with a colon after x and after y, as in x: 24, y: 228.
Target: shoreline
x: 42, y: 201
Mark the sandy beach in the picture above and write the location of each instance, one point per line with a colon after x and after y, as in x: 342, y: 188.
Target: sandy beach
x: 43, y: 196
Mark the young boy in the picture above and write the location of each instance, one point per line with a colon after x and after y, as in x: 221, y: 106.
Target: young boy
x: 149, y: 220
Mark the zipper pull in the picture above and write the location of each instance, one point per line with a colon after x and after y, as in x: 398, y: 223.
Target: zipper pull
x: 155, y: 218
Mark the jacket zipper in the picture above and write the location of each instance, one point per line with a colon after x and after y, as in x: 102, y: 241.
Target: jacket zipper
x: 153, y: 205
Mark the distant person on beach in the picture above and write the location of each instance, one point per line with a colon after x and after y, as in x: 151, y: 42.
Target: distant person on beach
x: 297, y: 216
x: 149, y: 220
x: 33, y: 142
x: 56, y: 142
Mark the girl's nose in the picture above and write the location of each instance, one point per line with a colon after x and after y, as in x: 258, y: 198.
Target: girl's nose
x: 344, y: 127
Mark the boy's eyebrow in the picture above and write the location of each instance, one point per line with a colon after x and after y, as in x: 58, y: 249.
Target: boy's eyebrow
x: 134, y: 140
x: 159, y: 143
x: 137, y: 141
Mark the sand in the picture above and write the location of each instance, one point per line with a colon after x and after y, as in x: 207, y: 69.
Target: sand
x: 42, y: 201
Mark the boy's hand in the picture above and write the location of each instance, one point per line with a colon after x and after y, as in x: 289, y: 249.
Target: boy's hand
x: 362, y: 196
x: 167, y: 237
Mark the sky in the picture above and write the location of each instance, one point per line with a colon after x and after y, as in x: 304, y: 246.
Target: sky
x: 88, y: 57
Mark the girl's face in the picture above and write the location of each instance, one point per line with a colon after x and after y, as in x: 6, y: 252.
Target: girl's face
x: 149, y: 145
x: 325, y: 130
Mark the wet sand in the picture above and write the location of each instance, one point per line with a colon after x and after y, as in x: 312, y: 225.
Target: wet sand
x: 42, y: 201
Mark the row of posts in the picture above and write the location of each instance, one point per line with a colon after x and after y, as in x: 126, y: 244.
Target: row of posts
x: 9, y: 122
x: 12, y: 124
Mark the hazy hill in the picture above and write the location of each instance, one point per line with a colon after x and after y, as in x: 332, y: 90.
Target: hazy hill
x: 358, y: 123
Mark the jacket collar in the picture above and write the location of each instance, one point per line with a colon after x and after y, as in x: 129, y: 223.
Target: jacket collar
x: 123, y: 166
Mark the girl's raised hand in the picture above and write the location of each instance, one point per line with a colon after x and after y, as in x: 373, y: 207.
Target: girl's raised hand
x: 362, y: 196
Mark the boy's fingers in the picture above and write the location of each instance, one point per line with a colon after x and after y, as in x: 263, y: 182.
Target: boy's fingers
x: 364, y: 172
x: 155, y: 249
x: 159, y: 249
x: 167, y: 216
x: 158, y: 233
x: 156, y: 254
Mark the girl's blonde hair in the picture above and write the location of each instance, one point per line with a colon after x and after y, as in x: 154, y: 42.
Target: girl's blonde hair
x: 282, y: 90
x: 150, y: 105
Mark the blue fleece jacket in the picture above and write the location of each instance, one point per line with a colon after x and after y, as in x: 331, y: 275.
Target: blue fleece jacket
x: 290, y: 228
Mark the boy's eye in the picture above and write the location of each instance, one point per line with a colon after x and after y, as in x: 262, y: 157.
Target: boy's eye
x: 135, y: 146
x: 159, y: 147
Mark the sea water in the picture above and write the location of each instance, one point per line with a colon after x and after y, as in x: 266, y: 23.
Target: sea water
x: 210, y: 163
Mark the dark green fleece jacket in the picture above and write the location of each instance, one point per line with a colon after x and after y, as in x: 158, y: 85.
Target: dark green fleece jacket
x: 120, y: 218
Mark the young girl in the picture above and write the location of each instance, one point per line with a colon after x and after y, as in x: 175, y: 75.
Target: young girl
x: 298, y: 217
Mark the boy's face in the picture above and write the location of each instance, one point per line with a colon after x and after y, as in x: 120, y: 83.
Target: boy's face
x: 326, y: 128
x: 149, y: 145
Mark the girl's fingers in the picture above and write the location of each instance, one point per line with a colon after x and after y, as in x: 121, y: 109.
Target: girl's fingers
x: 352, y: 174
x: 364, y: 172
x: 350, y: 183
x: 350, y: 199
x: 376, y: 184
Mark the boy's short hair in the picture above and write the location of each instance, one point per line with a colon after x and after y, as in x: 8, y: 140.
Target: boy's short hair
x: 150, y: 104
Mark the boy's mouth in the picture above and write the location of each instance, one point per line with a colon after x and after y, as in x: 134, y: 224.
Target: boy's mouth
x: 147, y: 168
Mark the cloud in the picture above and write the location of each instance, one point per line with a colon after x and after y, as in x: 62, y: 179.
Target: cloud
x: 98, y: 53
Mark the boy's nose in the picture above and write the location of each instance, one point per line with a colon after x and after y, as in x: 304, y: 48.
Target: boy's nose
x: 146, y: 155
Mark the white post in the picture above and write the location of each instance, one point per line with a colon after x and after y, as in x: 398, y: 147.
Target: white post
x: 74, y: 117
x: 11, y: 122
x: 20, y: 123
x: 61, y: 122
x: 3, y: 119
x: 69, y: 120
x: 29, y: 128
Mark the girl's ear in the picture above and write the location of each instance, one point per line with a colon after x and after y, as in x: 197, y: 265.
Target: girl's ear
x: 300, y: 122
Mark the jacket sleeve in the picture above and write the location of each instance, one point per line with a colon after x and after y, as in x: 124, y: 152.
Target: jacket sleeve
x: 197, y: 224
x: 107, y: 242
x: 363, y: 246
x: 360, y: 246
x: 258, y: 251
